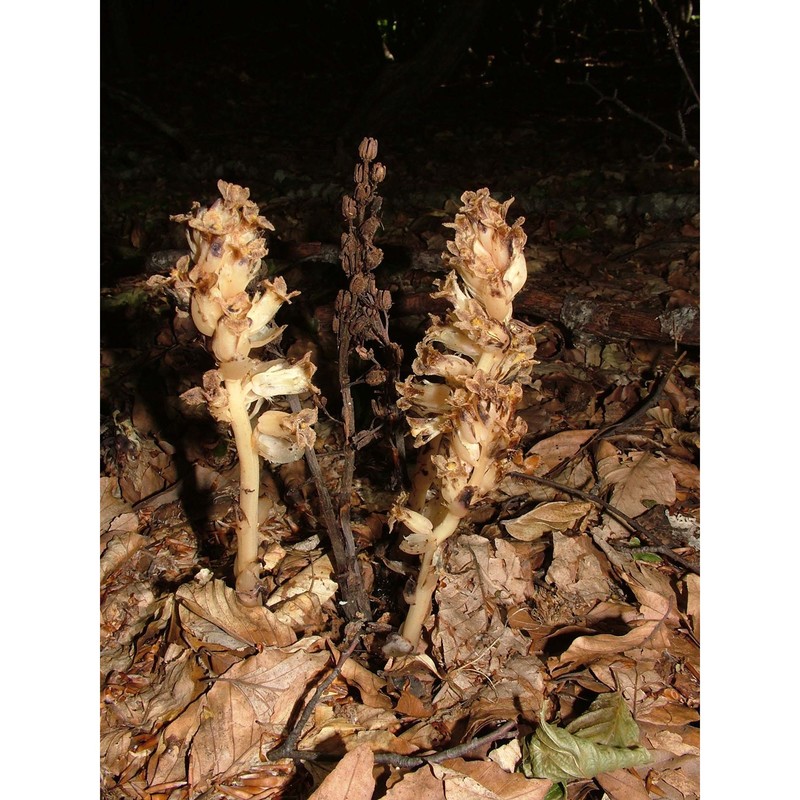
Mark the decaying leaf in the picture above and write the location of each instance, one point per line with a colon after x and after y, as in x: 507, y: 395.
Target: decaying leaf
x: 232, y: 624
x: 639, y: 480
x: 254, y: 699
x: 459, y: 779
x: 554, y: 516
x: 603, y: 739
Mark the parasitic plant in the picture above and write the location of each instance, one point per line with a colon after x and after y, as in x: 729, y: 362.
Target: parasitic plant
x: 461, y: 400
x: 227, y: 247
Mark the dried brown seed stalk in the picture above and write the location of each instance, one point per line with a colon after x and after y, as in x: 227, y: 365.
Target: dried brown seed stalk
x: 361, y: 326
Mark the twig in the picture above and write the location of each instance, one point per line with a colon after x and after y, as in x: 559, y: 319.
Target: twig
x: 410, y: 762
x: 631, y: 524
x: 348, y: 574
x: 673, y: 43
x: 607, y: 431
x: 667, y: 135
x: 287, y: 749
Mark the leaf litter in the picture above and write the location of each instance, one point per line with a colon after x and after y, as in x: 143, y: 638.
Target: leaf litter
x: 542, y: 609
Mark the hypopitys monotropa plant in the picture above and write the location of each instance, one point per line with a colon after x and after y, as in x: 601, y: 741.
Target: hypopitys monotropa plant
x: 461, y: 401
x: 226, y: 251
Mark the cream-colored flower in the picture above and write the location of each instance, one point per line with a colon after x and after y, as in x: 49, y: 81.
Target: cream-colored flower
x: 488, y: 253
x: 279, y: 376
x: 430, y: 361
x: 263, y: 310
x: 423, y: 395
x: 282, y: 438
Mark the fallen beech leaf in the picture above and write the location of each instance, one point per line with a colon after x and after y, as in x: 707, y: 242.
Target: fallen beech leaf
x: 216, y: 603
x: 623, y: 785
x: 121, y: 547
x: 315, y: 579
x: 603, y: 739
x: 254, y: 697
x: 416, y: 785
x: 499, y: 783
x: 640, y: 481
x: 586, y: 649
x: 579, y: 571
x: 351, y: 778
x: 168, y: 762
x: 111, y: 505
x: 554, y: 516
x: 369, y: 685
x: 556, y: 448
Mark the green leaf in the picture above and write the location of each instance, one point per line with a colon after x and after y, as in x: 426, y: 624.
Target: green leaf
x: 558, y: 791
x: 648, y: 558
x: 603, y: 739
x: 607, y: 721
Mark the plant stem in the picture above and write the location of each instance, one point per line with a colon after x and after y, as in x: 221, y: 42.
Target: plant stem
x: 420, y: 606
x: 246, y: 567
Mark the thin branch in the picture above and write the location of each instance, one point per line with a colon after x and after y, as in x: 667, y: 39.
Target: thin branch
x: 631, y: 524
x: 411, y: 762
x: 673, y: 43
x: 667, y: 135
x: 626, y: 422
x: 287, y: 749
x: 348, y: 574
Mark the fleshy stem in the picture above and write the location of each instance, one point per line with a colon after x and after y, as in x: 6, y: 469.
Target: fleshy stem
x: 420, y: 605
x: 249, y: 482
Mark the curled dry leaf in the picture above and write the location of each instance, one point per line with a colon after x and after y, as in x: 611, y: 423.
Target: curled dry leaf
x: 586, y: 649
x: 554, y: 516
x: 236, y: 626
x: 314, y: 579
x: 554, y: 449
x: 459, y: 779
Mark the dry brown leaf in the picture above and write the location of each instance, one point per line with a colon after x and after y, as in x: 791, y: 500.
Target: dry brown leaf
x: 254, y: 699
x: 315, y: 579
x: 344, y: 722
x: 623, y: 784
x: 586, y: 649
x: 458, y: 779
x: 351, y: 778
x: 499, y: 783
x: 579, y: 571
x: 111, y: 504
x: 556, y: 515
x: 640, y: 480
x: 667, y: 714
x: 229, y: 623
x: 417, y: 785
x: 168, y: 762
x: 411, y: 706
x: 693, y: 603
x: 554, y: 449
x: 654, y: 592
x: 118, y: 550
x: 686, y: 474
x: 369, y: 685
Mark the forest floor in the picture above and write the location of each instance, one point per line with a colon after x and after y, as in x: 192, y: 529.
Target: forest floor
x: 531, y: 612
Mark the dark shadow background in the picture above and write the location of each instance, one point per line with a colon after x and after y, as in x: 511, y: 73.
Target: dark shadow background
x: 277, y: 96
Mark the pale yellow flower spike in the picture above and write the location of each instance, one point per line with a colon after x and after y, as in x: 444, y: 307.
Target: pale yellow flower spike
x: 461, y: 401
x: 226, y: 248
